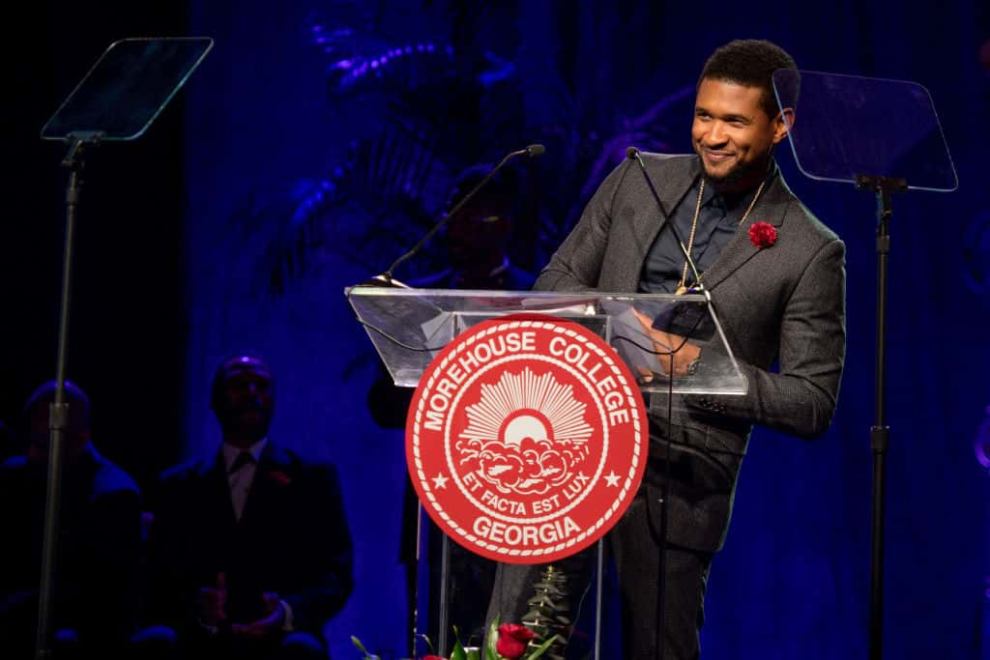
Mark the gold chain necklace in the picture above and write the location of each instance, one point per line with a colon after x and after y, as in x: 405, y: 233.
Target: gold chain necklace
x: 682, y: 285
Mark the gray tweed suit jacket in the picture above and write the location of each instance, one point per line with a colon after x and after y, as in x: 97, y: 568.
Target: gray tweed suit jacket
x: 783, y: 304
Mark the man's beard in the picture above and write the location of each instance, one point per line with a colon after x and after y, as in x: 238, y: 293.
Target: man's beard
x: 741, y: 173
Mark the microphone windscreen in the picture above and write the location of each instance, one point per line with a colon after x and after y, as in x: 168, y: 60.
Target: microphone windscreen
x: 535, y: 150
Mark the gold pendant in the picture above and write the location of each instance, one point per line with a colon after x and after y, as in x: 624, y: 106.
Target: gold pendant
x: 681, y: 290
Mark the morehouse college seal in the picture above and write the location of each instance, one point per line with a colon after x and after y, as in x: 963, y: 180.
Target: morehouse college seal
x: 526, y: 439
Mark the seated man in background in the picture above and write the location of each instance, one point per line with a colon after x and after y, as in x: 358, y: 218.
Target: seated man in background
x: 99, y: 538
x: 250, y: 552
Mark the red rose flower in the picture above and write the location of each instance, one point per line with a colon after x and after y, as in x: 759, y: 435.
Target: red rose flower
x: 512, y: 640
x: 433, y: 657
x: 279, y: 477
x: 762, y: 234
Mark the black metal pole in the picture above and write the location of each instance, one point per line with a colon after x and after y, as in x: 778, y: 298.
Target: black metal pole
x: 880, y: 432
x: 883, y: 187
x: 58, y: 415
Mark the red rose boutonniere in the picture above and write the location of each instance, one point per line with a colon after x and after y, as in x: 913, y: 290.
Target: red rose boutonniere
x: 279, y: 477
x: 762, y: 234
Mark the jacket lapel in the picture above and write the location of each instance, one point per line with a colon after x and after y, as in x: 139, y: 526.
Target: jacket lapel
x: 771, y: 208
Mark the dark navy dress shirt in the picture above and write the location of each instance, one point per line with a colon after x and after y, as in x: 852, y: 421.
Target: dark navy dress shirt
x: 717, y: 224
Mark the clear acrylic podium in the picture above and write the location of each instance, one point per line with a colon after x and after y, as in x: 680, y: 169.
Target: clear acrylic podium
x: 409, y: 327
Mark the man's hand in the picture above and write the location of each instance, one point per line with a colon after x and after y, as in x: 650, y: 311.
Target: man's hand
x: 684, y: 352
x: 268, y: 626
x: 212, y: 603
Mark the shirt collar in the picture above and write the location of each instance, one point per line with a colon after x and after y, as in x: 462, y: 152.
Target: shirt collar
x: 230, y: 452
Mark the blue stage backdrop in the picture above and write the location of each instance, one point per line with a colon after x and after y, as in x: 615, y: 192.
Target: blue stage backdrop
x: 321, y: 138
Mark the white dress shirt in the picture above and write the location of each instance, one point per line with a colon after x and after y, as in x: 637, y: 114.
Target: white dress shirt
x: 240, y: 480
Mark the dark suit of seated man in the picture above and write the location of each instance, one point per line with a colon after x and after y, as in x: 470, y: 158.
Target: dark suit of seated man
x: 99, y: 539
x: 250, y: 552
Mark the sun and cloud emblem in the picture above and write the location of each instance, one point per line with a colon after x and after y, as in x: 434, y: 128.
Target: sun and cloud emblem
x: 526, y: 434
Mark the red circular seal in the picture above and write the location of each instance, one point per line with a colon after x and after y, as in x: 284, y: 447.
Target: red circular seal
x: 526, y: 439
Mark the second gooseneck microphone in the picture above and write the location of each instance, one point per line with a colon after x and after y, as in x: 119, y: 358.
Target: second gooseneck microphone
x: 532, y: 151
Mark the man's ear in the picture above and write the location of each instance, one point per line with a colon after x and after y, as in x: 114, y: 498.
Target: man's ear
x: 782, y: 124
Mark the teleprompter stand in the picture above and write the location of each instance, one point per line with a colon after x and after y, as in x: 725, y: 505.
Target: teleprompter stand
x: 117, y: 100
x: 882, y: 136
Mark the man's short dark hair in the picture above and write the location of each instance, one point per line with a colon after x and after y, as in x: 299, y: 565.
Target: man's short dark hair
x: 749, y: 62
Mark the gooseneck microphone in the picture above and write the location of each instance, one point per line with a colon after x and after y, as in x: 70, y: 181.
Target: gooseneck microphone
x: 532, y: 151
x: 632, y: 153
